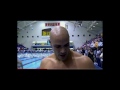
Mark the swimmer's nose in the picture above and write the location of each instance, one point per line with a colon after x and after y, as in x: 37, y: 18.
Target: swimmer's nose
x: 62, y: 51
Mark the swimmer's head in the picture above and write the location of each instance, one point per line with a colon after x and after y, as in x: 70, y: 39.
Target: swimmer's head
x: 59, y: 39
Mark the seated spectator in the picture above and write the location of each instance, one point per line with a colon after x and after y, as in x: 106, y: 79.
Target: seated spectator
x: 92, y: 45
x: 83, y: 51
x: 101, y: 57
x: 98, y: 57
x: 96, y: 44
x: 78, y: 50
x: 100, y: 44
x: 88, y: 44
x: 86, y: 51
x: 91, y: 54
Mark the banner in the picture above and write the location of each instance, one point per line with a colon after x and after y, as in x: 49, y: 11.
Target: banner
x: 52, y: 24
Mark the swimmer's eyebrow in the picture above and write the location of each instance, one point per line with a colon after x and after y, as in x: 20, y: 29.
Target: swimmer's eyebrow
x: 66, y: 44
x: 60, y: 45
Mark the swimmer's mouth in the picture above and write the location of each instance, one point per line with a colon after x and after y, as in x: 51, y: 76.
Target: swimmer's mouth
x: 62, y: 55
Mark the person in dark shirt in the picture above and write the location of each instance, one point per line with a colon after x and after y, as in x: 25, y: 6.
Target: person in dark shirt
x: 91, y: 54
x: 83, y: 51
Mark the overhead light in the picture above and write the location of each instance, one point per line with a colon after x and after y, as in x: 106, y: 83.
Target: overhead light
x: 93, y: 26
x: 97, y: 23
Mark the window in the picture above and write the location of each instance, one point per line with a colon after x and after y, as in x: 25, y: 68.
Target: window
x: 37, y: 36
x: 22, y: 36
x: 46, y: 32
x: 17, y: 36
x: 32, y: 36
x: 78, y: 35
x: 89, y: 34
x: 83, y: 35
x: 72, y: 35
x: 27, y: 36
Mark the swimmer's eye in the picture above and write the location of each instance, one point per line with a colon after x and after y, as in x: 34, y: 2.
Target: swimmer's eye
x: 66, y: 45
x: 57, y: 46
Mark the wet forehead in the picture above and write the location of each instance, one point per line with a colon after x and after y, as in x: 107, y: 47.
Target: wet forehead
x: 60, y: 41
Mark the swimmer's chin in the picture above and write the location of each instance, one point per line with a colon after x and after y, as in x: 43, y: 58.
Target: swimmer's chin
x: 59, y: 58
x: 62, y: 59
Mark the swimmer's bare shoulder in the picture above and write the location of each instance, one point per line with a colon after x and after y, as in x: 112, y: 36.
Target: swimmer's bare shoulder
x: 47, y: 63
x: 87, y: 62
x: 84, y: 61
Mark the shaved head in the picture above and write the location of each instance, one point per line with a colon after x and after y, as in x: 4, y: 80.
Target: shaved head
x: 59, y: 38
x: 59, y: 32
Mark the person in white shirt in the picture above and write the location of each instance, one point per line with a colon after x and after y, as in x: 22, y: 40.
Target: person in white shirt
x: 78, y: 50
x: 92, y: 45
x: 98, y: 57
x: 86, y: 51
x: 88, y: 45
x: 100, y: 44
x: 101, y: 57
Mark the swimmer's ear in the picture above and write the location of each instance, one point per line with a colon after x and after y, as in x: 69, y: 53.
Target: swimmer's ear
x: 50, y: 42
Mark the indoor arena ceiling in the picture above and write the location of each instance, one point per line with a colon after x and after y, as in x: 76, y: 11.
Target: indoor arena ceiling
x: 93, y: 27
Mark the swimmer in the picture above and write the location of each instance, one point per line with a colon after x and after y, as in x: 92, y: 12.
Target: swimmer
x: 63, y: 57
